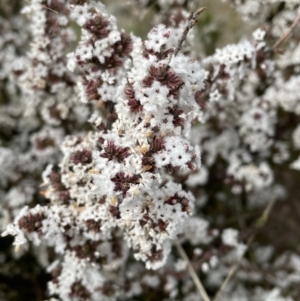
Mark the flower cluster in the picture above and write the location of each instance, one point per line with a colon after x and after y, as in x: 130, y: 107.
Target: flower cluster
x: 119, y: 180
x: 115, y: 150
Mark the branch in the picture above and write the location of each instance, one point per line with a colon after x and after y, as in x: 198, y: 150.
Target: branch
x: 190, y: 24
x: 286, y: 35
x: 110, y: 116
x: 192, y: 272
x: 259, y: 224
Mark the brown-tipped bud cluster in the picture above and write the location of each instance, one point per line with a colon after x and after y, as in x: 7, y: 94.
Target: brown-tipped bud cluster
x: 119, y: 51
x: 55, y: 180
x: 176, y: 112
x: 123, y: 47
x: 79, y: 291
x: 156, y: 145
x: 123, y: 182
x: 98, y: 27
x: 134, y: 104
x: 93, y: 226
x: 176, y: 199
x: 91, y: 87
x: 115, y: 153
x: 31, y: 222
x: 81, y: 157
x: 86, y: 251
x: 165, y: 76
x: 162, y: 225
x: 156, y: 255
x: 58, y: 186
x: 162, y: 54
x: 114, y: 211
x: 54, y: 112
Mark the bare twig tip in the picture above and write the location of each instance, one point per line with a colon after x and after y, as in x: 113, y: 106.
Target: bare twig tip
x: 200, y: 10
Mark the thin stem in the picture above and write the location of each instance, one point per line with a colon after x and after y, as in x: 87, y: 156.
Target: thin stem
x: 44, y: 6
x: 286, y: 35
x: 110, y: 116
x: 190, y: 24
x: 259, y: 224
x: 233, y: 269
x: 192, y: 272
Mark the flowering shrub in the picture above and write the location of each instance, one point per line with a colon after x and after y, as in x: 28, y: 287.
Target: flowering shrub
x: 142, y: 168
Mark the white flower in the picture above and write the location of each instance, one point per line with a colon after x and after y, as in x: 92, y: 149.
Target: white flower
x: 259, y: 34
